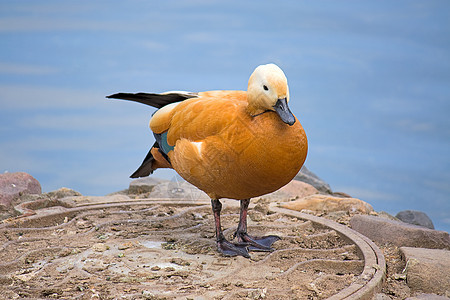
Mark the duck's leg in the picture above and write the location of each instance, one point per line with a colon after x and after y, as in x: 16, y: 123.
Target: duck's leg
x: 224, y: 246
x: 255, y: 243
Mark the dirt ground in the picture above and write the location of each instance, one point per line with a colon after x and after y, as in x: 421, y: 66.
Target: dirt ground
x: 394, y: 286
x: 169, y: 252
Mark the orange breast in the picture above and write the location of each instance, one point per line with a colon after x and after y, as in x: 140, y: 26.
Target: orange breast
x: 249, y: 157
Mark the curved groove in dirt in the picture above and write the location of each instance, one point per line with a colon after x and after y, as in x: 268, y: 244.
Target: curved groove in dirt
x: 371, y: 278
x: 312, y: 246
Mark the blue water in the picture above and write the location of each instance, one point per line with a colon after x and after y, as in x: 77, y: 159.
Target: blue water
x: 369, y: 80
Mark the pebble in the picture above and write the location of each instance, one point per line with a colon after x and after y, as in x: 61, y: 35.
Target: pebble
x: 125, y: 246
x: 100, y: 247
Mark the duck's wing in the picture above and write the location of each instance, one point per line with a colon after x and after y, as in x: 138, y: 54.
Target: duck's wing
x: 155, y: 100
x: 198, y: 118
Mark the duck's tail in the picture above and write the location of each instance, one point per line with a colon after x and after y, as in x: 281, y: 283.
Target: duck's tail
x: 155, y: 100
x: 157, y: 156
x: 155, y: 159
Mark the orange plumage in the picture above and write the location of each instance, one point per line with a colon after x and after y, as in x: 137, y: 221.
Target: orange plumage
x: 230, y: 144
x: 240, y: 156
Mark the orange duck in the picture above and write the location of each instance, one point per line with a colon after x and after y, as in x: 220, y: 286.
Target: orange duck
x: 230, y: 144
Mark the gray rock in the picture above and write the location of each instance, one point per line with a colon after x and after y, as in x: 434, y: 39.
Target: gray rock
x: 427, y: 270
x: 143, y: 185
x: 177, y: 188
x: 14, y: 185
x: 385, y: 231
x: 416, y: 218
x: 307, y: 176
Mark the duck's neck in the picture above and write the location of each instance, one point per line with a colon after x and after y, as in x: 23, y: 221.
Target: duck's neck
x: 252, y: 111
x: 254, y: 106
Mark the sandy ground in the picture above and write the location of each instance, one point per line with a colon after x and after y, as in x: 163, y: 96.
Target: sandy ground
x: 169, y: 252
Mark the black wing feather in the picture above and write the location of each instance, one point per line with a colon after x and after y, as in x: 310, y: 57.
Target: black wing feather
x: 145, y: 169
x: 155, y: 100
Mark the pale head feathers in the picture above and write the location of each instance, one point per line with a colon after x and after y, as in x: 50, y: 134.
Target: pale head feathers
x: 266, y: 85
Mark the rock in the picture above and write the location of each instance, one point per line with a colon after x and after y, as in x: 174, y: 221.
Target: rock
x: 383, y: 214
x: 427, y: 270
x: 14, y: 185
x: 62, y: 192
x: 385, y: 231
x: 100, y: 247
x: 125, y: 246
x: 292, y: 190
x: 325, y: 203
x: 427, y: 297
x: 148, y: 295
x: 179, y: 189
x: 416, y: 218
x: 298, y: 189
x: 309, y: 177
x: 143, y: 185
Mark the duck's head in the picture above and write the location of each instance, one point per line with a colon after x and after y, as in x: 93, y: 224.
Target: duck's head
x: 268, y: 91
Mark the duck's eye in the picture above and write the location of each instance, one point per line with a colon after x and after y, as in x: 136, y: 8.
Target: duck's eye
x: 265, y: 87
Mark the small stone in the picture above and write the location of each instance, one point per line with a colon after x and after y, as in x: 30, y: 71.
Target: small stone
x: 82, y: 224
x: 427, y: 270
x: 416, y: 218
x: 155, y: 268
x: 169, y: 246
x: 125, y: 246
x: 385, y: 231
x: 94, y: 266
x: 399, y: 276
x: 100, y: 247
x: 197, y: 216
x: 148, y: 295
x: 180, y: 261
x: 257, y: 294
x: 325, y: 203
x: 256, y: 216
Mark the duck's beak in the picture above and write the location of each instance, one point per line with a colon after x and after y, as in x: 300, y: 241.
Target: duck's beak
x: 282, y: 109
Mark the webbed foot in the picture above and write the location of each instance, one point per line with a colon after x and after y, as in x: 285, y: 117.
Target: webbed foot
x: 230, y: 249
x: 258, y: 243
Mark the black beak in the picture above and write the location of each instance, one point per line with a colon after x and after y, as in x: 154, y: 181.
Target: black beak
x: 282, y: 109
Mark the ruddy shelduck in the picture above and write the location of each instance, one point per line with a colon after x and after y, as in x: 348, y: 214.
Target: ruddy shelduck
x: 229, y: 144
